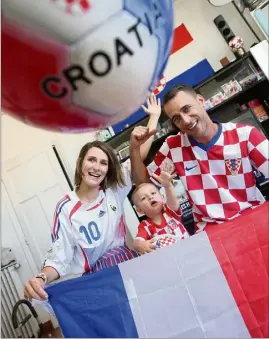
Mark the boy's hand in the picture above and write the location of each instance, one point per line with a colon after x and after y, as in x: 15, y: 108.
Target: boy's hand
x: 167, y: 174
x: 165, y: 178
x: 144, y: 246
x: 154, y: 106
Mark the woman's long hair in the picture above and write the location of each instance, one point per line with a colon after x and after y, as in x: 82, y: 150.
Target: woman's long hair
x: 114, y: 174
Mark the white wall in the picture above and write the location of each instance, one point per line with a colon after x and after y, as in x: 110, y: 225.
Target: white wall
x: 198, y: 16
x: 18, y: 137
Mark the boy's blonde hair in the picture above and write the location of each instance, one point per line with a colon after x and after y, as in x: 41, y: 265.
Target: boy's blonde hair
x: 138, y: 188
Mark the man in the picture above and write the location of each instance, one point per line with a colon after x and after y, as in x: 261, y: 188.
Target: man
x: 213, y: 160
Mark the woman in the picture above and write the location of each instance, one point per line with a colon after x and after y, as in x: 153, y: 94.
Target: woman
x: 89, y: 231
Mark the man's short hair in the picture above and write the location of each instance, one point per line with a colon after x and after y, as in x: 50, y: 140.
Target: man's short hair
x: 175, y: 89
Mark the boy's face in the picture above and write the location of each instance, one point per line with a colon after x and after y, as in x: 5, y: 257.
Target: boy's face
x: 148, y: 200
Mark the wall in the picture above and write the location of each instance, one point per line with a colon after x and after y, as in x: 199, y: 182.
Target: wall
x: 198, y: 16
x: 28, y: 138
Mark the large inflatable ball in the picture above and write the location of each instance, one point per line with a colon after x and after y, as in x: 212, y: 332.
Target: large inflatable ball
x: 78, y: 65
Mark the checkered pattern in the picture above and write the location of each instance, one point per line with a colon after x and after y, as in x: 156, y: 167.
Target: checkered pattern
x: 73, y: 7
x: 160, y: 86
x: 171, y: 224
x: 214, y: 192
x: 165, y: 241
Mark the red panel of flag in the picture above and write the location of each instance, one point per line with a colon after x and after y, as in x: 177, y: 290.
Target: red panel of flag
x: 241, y: 246
x: 182, y: 37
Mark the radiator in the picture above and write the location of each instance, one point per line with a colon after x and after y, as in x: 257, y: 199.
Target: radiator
x: 11, y: 292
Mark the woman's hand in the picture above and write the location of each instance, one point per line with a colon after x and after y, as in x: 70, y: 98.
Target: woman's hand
x: 144, y: 246
x: 35, y: 289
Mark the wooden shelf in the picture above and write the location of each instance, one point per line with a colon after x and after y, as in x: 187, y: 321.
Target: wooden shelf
x: 222, y: 71
x: 237, y: 95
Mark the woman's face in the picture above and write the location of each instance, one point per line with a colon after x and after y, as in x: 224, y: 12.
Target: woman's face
x: 94, y: 167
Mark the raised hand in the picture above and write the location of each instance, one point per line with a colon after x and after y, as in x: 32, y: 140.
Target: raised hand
x: 165, y: 178
x: 167, y: 173
x: 153, y: 106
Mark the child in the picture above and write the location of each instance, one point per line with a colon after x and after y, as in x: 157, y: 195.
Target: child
x: 163, y: 218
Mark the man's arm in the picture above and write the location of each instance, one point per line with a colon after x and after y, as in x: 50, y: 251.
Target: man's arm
x: 153, y: 109
x: 258, y: 147
x: 152, y: 124
x: 139, y: 172
x: 141, y: 140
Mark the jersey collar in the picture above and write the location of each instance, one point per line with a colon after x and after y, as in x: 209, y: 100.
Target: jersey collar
x: 212, y: 141
x: 91, y: 205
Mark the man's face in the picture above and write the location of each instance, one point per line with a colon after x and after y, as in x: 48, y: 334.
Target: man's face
x: 188, y: 114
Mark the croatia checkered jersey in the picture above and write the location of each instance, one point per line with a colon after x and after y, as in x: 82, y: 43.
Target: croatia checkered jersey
x: 170, y: 224
x: 218, y: 177
x: 82, y: 233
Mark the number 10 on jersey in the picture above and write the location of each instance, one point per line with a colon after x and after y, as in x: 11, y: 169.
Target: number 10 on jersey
x: 91, y: 232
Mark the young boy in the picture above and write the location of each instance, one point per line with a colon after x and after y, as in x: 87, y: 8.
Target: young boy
x: 163, y: 218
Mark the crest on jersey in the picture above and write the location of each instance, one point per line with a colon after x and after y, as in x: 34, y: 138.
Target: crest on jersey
x: 172, y: 224
x: 114, y: 208
x: 233, y: 165
x: 73, y: 7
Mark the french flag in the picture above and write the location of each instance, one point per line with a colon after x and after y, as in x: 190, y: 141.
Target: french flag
x: 212, y: 285
x: 186, y: 65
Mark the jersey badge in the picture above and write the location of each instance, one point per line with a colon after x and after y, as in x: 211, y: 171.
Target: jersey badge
x: 114, y: 208
x: 233, y: 165
x: 172, y: 224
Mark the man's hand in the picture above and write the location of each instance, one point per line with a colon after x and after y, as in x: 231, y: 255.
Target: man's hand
x: 154, y: 106
x: 144, y: 246
x: 140, y: 135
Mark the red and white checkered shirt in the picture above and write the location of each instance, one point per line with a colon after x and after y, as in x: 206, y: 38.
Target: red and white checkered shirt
x: 218, y: 177
x: 171, y: 224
